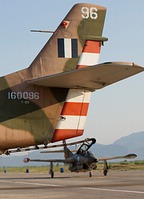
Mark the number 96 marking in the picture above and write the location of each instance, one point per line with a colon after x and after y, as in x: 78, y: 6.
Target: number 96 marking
x: 89, y: 12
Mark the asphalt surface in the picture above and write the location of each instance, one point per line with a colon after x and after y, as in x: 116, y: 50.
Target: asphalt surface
x: 118, y: 184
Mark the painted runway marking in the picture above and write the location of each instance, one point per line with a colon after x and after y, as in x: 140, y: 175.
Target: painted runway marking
x: 5, y: 181
x: 30, y: 183
x: 38, y: 184
x: 114, y: 190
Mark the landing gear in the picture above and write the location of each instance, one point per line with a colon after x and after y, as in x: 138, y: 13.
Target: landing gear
x: 105, y: 172
x: 90, y: 174
x: 51, y: 172
x: 106, y: 168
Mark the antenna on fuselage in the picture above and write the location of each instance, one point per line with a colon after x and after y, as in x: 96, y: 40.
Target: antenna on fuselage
x: 43, y: 31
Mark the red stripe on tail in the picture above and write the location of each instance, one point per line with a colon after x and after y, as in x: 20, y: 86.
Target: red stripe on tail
x: 92, y: 46
x: 75, y: 108
x: 62, y: 134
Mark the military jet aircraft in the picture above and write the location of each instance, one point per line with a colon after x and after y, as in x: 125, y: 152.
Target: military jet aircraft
x: 81, y: 161
x: 48, y: 101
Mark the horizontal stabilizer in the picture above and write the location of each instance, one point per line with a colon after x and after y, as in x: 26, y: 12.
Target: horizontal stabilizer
x: 57, y: 151
x: 92, y: 77
x: 129, y: 156
x: 26, y: 160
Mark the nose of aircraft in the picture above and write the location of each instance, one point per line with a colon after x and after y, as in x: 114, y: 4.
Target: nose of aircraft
x: 95, y: 160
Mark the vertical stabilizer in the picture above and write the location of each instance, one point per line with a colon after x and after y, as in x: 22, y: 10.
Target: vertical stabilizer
x: 75, y: 44
x: 67, y: 152
x: 61, y: 53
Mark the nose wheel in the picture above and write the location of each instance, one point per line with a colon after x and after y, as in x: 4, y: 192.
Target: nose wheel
x: 90, y: 174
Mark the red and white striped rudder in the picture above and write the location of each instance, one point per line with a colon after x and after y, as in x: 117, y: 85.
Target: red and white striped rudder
x: 75, y: 109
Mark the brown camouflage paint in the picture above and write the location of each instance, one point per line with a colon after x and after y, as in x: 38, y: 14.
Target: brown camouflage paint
x: 26, y: 122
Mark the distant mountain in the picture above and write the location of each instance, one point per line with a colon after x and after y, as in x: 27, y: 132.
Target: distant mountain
x: 133, y: 143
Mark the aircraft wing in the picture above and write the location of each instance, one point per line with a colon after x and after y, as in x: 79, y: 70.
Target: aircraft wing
x: 92, y: 77
x: 129, y: 156
x: 49, y: 160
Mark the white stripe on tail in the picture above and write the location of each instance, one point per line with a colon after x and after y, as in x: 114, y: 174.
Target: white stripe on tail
x: 74, y: 112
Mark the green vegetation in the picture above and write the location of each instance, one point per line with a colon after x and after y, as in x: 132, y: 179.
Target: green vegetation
x: 125, y: 165
x: 33, y: 169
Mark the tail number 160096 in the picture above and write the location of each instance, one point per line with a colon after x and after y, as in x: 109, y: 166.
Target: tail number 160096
x: 23, y: 95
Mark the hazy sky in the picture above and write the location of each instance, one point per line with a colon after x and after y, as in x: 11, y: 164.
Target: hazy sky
x: 115, y: 111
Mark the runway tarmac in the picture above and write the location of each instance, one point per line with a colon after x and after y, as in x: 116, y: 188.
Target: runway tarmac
x: 118, y: 184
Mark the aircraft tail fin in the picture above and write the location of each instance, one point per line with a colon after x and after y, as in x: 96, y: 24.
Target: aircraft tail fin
x: 75, y: 44
x: 81, y: 26
x: 67, y: 152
